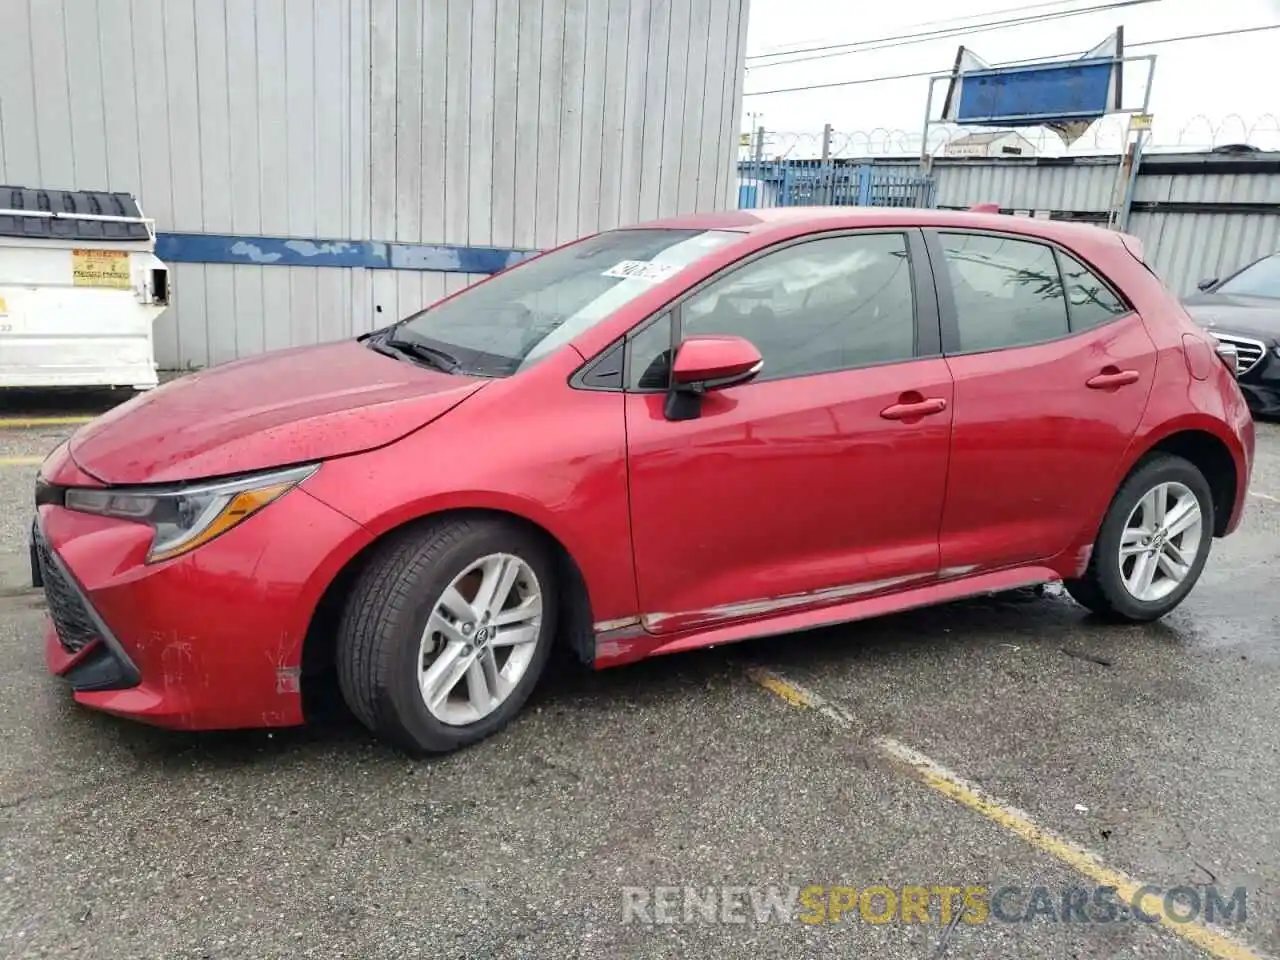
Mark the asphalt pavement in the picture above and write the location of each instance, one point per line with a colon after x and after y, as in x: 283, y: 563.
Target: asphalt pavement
x: 1008, y: 742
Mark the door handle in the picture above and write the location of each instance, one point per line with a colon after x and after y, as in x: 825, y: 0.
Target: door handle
x: 1111, y: 377
x: 908, y: 411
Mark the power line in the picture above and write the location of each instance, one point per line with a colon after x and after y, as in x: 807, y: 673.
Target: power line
x: 905, y: 39
x: 1014, y: 63
x: 928, y: 23
x: 993, y: 27
x: 894, y: 40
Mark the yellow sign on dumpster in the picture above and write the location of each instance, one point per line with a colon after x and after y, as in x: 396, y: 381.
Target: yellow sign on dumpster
x: 101, y: 268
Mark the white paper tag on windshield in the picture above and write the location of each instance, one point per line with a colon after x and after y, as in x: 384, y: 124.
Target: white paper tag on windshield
x: 641, y: 270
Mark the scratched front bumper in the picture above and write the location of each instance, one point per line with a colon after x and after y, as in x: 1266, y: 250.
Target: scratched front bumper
x: 79, y: 646
x: 214, y: 638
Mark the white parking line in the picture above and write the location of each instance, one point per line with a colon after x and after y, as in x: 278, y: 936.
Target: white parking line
x: 1211, y: 940
x: 1264, y: 496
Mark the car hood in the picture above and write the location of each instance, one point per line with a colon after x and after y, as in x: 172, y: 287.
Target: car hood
x: 278, y: 408
x: 1251, y: 316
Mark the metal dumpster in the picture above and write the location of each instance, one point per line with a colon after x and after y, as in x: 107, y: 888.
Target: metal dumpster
x: 80, y: 288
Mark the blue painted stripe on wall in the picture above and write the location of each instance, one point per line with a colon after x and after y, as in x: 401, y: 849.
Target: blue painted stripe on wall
x: 268, y: 251
x: 371, y: 254
x: 446, y: 259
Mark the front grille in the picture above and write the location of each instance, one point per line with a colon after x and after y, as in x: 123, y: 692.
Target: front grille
x: 71, y: 619
x: 1249, y: 352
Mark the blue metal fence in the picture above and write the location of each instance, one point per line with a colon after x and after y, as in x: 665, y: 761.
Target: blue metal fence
x: 804, y: 183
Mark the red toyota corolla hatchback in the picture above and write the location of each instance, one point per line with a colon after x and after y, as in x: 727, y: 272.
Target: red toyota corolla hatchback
x: 685, y: 433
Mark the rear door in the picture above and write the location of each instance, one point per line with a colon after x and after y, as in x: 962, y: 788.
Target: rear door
x: 820, y: 480
x: 1052, y: 370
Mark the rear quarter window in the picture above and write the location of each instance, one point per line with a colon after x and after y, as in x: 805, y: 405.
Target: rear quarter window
x: 1018, y: 291
x: 1090, y: 302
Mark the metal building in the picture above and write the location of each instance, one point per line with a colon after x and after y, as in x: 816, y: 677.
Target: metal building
x: 319, y: 167
x: 1198, y: 215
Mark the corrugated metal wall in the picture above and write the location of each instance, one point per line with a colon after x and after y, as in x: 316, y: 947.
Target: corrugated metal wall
x: 1186, y: 247
x: 1183, y: 246
x: 1083, y: 186
x: 513, y: 124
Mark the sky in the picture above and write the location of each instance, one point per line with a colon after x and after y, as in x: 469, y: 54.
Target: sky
x: 1203, y: 92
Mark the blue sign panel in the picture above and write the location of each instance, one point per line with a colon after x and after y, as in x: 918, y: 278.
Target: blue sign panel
x: 1066, y: 94
x: 1011, y: 95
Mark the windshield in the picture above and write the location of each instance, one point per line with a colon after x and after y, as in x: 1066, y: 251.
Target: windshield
x: 517, y: 317
x: 1261, y: 279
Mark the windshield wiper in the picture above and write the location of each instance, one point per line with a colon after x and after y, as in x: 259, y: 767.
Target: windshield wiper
x: 440, y: 359
x: 377, y: 346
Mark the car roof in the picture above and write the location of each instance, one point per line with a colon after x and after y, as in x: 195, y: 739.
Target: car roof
x: 800, y: 220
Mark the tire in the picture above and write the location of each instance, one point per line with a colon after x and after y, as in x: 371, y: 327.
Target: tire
x: 1102, y: 588
x: 381, y: 633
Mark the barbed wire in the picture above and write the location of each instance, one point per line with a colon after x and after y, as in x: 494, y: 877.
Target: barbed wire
x: 1105, y: 136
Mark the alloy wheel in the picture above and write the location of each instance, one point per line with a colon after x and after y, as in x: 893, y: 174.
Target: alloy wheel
x: 480, y: 639
x: 1160, y: 542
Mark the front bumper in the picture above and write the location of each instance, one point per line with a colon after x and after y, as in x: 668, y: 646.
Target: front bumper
x: 78, y: 646
x: 209, y: 640
x: 1263, y: 398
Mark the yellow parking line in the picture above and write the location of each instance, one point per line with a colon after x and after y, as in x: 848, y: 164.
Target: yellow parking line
x: 21, y: 461
x: 26, y: 423
x: 1212, y: 941
x: 793, y: 695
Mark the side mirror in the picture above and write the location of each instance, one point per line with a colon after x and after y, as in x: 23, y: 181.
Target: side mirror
x: 703, y: 364
x: 1206, y: 284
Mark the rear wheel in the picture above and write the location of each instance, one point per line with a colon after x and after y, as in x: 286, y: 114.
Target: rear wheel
x: 446, y: 632
x: 1152, y: 545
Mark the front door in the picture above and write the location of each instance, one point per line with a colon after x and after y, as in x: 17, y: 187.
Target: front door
x: 1052, y: 371
x: 822, y: 479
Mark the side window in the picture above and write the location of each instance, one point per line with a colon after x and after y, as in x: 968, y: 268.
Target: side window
x: 814, y: 307
x: 1008, y: 293
x: 650, y: 356
x: 1089, y: 300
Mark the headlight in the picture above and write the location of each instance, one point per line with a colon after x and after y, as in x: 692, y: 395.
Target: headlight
x: 185, y: 517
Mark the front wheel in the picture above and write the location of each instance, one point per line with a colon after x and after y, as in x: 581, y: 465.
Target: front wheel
x: 446, y: 632
x: 1152, y: 545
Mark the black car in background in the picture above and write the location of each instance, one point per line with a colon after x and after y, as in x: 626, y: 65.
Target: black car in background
x: 1244, y: 311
